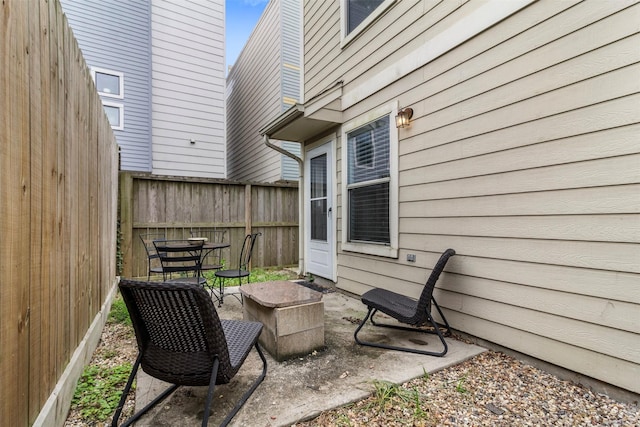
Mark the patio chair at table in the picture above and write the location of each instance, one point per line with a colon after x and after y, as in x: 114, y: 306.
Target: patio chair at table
x: 182, y: 341
x: 416, y: 313
x: 182, y: 257
x: 153, y: 259
x: 211, y: 260
x: 243, y: 270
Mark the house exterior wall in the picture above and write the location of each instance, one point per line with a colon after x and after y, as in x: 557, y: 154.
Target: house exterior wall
x: 116, y: 36
x: 523, y: 155
x: 264, y: 81
x: 188, y: 88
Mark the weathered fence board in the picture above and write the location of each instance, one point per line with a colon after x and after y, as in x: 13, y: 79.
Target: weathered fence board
x: 177, y: 206
x: 58, y: 166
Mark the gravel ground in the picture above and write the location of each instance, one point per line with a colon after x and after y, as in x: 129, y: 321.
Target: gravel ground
x: 491, y: 389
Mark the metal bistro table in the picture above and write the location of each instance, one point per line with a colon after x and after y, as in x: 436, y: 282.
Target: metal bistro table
x: 195, y: 251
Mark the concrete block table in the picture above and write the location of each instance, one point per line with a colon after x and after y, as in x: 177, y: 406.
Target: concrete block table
x: 293, y: 317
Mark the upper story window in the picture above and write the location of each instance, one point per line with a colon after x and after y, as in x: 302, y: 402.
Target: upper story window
x: 109, y: 83
x: 370, y: 193
x: 358, y: 11
x: 358, y: 14
x: 115, y: 114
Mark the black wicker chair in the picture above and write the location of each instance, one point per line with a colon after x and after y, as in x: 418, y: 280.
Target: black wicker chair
x: 242, y: 271
x: 181, y: 340
x: 408, y: 311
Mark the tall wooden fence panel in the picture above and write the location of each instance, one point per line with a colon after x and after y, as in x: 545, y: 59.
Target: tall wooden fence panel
x: 58, y: 199
x: 179, y: 207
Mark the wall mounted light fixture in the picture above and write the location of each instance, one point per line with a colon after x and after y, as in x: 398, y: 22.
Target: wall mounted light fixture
x: 403, y: 118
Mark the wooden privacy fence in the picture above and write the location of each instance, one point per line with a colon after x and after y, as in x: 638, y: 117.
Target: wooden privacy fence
x: 176, y: 206
x: 58, y: 201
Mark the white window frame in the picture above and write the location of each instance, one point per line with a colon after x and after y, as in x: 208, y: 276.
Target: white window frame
x: 118, y: 74
x: 345, y: 38
x: 372, y: 248
x: 120, y: 107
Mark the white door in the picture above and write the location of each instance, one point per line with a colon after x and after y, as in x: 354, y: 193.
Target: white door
x: 319, y: 237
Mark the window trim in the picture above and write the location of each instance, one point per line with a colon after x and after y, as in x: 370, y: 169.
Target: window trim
x: 120, y: 108
x: 345, y: 38
x: 372, y: 248
x: 118, y: 74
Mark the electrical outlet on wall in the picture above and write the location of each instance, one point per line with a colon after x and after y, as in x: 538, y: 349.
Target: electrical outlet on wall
x: 411, y: 257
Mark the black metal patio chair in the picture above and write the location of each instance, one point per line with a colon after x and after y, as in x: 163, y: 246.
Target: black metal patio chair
x: 180, y: 257
x: 243, y: 270
x: 181, y: 340
x: 211, y: 260
x: 153, y: 259
x: 416, y: 313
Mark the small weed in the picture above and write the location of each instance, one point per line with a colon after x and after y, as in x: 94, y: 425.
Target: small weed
x: 387, y: 393
x: 119, y: 312
x: 425, y: 374
x: 109, y: 353
x: 384, y: 392
x: 418, y: 412
x: 99, y: 390
x: 460, y: 388
x: 342, y: 420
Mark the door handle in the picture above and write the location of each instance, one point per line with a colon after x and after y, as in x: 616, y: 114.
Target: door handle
x: 328, y: 211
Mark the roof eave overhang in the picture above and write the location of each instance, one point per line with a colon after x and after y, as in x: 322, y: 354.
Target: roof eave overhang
x: 303, y: 122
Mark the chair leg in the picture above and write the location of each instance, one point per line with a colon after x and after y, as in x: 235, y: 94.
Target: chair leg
x: 144, y: 410
x: 126, y: 390
x: 212, y: 386
x: 221, y: 294
x: 447, y: 332
x: 436, y: 331
x: 249, y: 392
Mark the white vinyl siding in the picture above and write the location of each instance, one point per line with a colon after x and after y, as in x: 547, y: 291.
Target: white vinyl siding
x: 188, y: 88
x: 264, y: 82
x: 523, y: 155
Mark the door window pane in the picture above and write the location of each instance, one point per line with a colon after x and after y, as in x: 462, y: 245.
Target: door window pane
x: 319, y: 176
x: 319, y: 219
x: 318, y: 181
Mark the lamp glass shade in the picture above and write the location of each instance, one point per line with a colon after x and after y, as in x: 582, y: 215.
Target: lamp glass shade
x: 403, y: 117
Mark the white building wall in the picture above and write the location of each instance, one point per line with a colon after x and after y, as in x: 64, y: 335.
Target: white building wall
x: 188, y: 85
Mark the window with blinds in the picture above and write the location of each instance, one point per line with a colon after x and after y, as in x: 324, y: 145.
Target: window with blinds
x: 368, y: 179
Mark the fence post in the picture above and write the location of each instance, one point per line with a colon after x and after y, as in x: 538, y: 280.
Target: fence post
x: 247, y: 209
x: 126, y: 222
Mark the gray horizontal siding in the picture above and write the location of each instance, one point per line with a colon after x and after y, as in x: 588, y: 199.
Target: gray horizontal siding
x: 260, y: 86
x: 116, y: 36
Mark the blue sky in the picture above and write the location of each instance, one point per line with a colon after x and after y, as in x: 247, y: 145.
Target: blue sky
x: 241, y: 18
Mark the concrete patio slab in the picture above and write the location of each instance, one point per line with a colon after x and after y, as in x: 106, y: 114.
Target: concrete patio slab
x: 302, y: 387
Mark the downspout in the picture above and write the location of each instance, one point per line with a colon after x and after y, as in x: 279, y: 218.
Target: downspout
x: 301, y: 235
